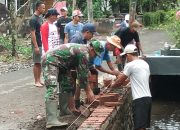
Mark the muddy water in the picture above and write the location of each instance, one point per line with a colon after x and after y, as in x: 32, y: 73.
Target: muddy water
x: 165, y: 115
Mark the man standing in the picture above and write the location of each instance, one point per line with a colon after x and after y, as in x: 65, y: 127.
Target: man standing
x: 137, y: 70
x: 74, y: 26
x: 57, y: 65
x: 49, y: 31
x: 35, y: 24
x: 61, y: 22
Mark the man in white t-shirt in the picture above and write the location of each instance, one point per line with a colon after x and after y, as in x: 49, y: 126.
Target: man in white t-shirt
x: 137, y: 70
x: 49, y: 31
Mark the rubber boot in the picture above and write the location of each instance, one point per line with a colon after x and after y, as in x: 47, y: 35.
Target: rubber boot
x: 51, y: 115
x: 63, y: 104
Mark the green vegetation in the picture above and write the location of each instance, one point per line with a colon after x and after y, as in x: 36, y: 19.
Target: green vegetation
x: 23, y: 50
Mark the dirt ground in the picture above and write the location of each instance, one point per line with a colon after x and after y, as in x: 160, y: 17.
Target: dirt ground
x: 21, y: 102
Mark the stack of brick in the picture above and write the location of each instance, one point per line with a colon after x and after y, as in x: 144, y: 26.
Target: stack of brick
x: 106, y: 107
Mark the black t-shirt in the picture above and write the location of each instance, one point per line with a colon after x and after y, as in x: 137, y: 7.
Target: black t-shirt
x: 35, y: 24
x: 127, y: 36
x: 61, y: 22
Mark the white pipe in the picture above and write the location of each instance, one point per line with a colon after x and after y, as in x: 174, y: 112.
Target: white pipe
x: 16, y: 6
x: 6, y: 2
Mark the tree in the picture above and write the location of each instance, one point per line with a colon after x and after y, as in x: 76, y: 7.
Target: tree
x: 13, y: 26
x: 90, y: 10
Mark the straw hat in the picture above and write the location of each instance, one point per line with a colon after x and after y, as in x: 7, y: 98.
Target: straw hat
x: 114, y: 40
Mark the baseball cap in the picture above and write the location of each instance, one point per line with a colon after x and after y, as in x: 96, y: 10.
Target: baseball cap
x: 114, y: 40
x: 130, y: 48
x: 50, y: 12
x: 64, y: 8
x: 98, y: 48
x: 89, y: 27
x: 77, y: 13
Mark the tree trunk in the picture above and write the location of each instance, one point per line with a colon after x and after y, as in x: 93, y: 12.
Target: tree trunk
x: 132, y: 11
x: 90, y: 11
x: 74, y: 5
x: 13, y: 27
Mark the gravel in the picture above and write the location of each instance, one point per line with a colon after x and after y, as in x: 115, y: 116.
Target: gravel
x: 14, y: 66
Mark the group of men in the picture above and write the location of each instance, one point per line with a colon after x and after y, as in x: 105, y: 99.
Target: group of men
x: 67, y: 55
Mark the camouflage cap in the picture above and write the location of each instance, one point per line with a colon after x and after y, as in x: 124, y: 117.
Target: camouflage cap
x: 98, y: 48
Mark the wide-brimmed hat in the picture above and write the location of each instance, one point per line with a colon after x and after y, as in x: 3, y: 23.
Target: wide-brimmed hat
x: 115, y: 40
x: 50, y: 12
x: 130, y: 48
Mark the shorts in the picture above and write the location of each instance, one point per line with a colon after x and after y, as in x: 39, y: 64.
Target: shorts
x: 36, y: 57
x: 141, y: 109
x: 61, y: 41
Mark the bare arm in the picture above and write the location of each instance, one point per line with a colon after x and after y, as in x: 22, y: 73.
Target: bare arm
x: 139, y: 47
x: 121, y: 80
x: 66, y: 38
x: 33, y: 37
x: 112, y: 72
x: 110, y: 65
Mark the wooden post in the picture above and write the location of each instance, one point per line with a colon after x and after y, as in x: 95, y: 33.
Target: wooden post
x: 132, y: 10
x: 90, y: 11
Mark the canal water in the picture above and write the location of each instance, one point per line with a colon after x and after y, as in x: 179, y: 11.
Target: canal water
x: 165, y: 115
x: 166, y: 103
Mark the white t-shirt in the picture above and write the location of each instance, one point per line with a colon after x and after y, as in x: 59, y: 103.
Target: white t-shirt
x: 138, y: 72
x: 53, y: 37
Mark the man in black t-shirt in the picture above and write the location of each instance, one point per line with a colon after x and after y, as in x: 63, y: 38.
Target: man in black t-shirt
x: 129, y: 35
x: 61, y: 22
x: 35, y: 24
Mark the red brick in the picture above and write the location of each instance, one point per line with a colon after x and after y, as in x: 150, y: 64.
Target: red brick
x: 107, y: 98
x: 107, y: 82
x: 111, y: 104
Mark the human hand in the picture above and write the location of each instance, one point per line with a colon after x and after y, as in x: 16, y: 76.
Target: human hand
x: 90, y: 96
x: 115, y: 72
x: 37, y: 51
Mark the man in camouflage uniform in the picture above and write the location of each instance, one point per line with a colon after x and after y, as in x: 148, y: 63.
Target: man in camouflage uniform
x: 56, y: 65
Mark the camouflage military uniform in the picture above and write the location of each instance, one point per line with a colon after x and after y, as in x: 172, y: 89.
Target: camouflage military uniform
x: 59, y: 62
